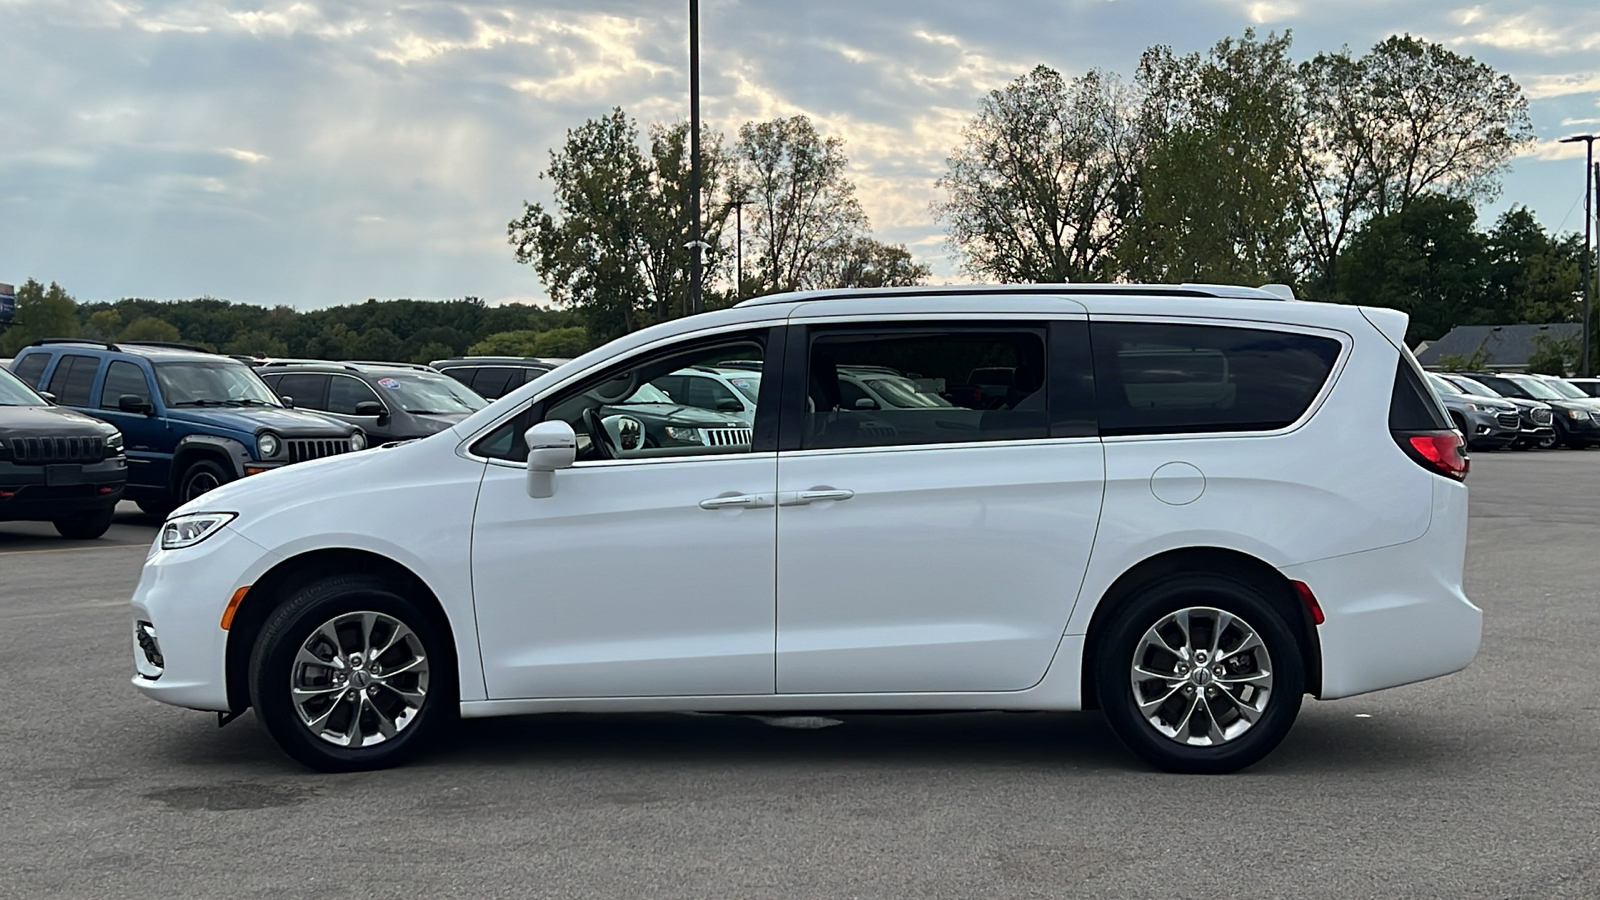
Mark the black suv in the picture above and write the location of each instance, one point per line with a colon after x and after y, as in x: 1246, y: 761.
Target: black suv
x: 492, y: 377
x: 56, y: 465
x: 1577, y: 420
x: 389, y: 401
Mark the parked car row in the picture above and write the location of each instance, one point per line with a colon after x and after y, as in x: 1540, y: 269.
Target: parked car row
x: 1496, y: 410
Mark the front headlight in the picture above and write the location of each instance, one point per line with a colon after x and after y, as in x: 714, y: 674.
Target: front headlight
x: 1577, y: 414
x: 683, y: 434
x: 1472, y: 406
x: 358, y: 441
x: 268, y: 445
x: 114, y: 442
x: 186, y: 531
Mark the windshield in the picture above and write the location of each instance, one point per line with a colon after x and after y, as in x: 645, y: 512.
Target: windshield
x: 1537, y: 388
x: 1443, y: 386
x: 430, y: 395
x: 904, y: 394
x: 1564, y: 389
x: 212, y: 383
x: 649, y: 393
x: 14, y: 393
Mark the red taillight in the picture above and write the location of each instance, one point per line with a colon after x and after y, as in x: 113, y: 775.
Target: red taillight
x: 1310, y: 600
x: 1442, y: 451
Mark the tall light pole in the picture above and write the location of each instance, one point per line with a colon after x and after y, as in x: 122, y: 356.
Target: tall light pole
x: 696, y: 245
x: 1588, y: 286
x: 738, y: 249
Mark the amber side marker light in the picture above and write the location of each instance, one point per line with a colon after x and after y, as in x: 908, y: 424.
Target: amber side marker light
x: 233, y: 607
x: 255, y: 470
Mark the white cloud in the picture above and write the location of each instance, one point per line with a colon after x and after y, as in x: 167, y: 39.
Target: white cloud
x: 245, y: 155
x: 1553, y: 149
x: 1541, y: 86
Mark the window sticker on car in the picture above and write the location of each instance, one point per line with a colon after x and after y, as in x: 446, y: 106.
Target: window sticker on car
x: 389, y: 383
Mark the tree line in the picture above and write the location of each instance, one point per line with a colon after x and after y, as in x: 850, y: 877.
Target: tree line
x: 1353, y: 178
x: 405, y: 330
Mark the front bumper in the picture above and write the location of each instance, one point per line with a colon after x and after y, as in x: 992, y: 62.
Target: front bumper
x: 178, y: 605
x: 1397, y: 614
x: 26, y: 494
x: 1484, y: 429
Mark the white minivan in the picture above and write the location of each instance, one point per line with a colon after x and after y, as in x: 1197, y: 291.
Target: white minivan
x: 1187, y: 506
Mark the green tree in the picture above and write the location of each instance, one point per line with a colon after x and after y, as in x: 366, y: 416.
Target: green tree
x: 103, y: 325
x: 1219, y: 179
x: 1042, y: 185
x: 1426, y: 260
x: 150, y: 328
x: 1533, y: 276
x: 1409, y: 118
x: 561, y: 342
x: 380, y: 345
x: 867, y: 263
x: 256, y: 342
x: 1554, y: 355
x: 801, y: 204
x: 42, y: 312
x: 613, y: 247
x: 506, y: 343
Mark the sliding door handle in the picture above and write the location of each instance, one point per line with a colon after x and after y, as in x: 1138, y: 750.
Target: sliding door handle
x: 801, y: 498
x: 738, y: 501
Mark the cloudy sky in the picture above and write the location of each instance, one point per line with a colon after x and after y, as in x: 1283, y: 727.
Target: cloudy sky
x: 312, y: 152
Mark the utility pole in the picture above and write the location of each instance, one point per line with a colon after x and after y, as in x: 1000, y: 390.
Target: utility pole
x: 1588, y: 218
x: 738, y: 249
x: 696, y: 297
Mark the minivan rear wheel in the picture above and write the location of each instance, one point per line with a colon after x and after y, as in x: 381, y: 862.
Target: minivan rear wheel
x: 1200, y: 674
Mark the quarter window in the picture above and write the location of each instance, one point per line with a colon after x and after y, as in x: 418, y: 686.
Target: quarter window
x: 31, y: 367
x: 123, y: 378
x: 73, y: 379
x: 1158, y: 378
x: 925, y: 386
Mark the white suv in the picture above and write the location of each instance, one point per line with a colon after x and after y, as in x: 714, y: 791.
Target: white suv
x: 1187, y: 506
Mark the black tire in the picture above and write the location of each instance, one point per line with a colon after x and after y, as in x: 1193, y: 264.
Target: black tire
x: 1122, y: 639
x: 273, y: 659
x: 158, y: 508
x: 201, y: 476
x: 85, y: 526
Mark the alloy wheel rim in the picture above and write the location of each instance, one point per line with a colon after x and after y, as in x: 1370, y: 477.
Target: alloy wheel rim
x: 201, y: 483
x: 1201, y: 676
x: 359, y: 679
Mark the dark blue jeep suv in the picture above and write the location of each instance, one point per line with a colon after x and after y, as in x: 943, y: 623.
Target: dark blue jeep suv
x: 190, y: 420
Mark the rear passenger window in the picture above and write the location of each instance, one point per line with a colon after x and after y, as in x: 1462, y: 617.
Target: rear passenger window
x: 494, y: 381
x: 925, y: 386
x: 1176, y: 379
x: 123, y: 378
x: 30, y: 368
x: 308, y: 390
x: 73, y: 379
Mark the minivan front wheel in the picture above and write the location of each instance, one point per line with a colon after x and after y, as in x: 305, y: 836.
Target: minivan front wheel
x: 1200, y: 674
x: 350, y: 675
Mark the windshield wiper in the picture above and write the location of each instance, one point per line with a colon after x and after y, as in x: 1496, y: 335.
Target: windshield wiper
x: 251, y: 401
x: 199, y: 403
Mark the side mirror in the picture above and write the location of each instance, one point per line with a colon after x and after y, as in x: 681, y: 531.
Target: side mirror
x: 728, y: 404
x: 866, y: 403
x: 369, y: 408
x: 133, y: 403
x: 551, y: 446
x: 49, y: 397
x: 288, y: 402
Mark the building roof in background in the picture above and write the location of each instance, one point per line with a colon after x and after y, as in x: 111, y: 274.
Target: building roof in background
x: 1504, y: 346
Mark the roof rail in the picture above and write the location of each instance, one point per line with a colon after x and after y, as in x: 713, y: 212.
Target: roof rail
x: 169, y: 345
x: 1147, y: 290
x: 104, y: 345
x: 280, y: 363
x: 421, y: 367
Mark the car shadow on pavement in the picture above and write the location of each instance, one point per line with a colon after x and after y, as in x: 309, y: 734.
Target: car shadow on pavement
x: 1320, y: 745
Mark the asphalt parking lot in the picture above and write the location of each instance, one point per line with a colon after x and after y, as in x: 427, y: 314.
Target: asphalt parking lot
x: 1483, y: 784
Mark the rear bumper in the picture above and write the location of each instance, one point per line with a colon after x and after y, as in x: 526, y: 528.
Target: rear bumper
x: 1397, y: 615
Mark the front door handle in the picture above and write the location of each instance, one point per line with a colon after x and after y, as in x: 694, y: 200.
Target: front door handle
x: 738, y: 501
x: 801, y: 498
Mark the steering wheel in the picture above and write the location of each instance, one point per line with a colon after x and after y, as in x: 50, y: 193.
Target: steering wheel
x: 598, y: 436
